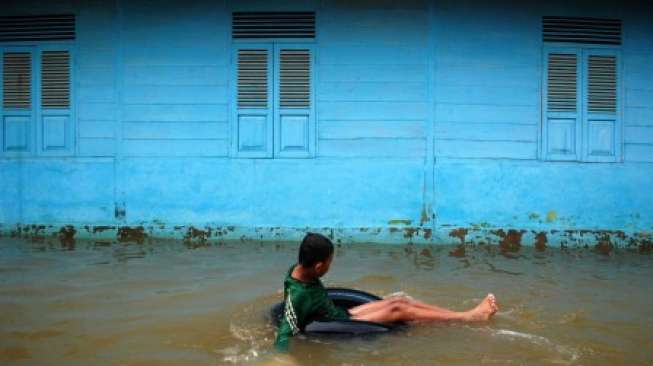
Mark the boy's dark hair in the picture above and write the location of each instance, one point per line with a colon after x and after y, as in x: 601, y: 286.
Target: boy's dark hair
x: 314, y: 248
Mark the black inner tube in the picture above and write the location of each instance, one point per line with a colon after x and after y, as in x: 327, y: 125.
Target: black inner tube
x: 345, y: 299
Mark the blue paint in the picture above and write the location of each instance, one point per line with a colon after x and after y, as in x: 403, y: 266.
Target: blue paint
x: 427, y: 112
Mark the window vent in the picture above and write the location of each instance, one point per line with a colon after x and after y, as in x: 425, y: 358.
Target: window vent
x: 37, y: 28
x: 252, y: 78
x: 273, y: 25
x: 581, y: 30
x: 295, y: 79
x: 562, y: 82
x: 602, y: 84
x: 17, y: 80
x: 55, y: 79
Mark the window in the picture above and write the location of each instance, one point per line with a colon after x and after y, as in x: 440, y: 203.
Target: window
x: 36, y: 109
x: 273, y: 108
x: 581, y: 99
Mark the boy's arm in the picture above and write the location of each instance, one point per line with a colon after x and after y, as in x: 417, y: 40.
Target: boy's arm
x: 283, y: 337
x: 294, y: 316
x: 329, y: 310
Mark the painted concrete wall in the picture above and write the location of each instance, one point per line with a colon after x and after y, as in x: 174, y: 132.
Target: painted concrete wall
x: 428, y: 127
x: 488, y: 109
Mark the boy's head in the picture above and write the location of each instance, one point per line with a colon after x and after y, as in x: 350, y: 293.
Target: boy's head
x: 316, y: 252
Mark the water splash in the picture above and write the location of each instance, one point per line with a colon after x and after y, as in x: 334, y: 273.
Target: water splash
x: 246, y: 352
x: 569, y: 354
x: 252, y: 337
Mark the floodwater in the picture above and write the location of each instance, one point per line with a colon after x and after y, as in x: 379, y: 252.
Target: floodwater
x: 175, y: 303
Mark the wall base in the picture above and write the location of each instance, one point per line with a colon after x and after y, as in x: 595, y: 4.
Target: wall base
x: 508, y: 239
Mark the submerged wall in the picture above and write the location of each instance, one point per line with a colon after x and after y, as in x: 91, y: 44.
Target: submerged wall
x: 428, y: 129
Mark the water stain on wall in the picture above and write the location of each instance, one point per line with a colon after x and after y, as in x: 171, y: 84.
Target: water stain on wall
x: 409, y: 232
x: 458, y: 252
x: 132, y: 234
x: 459, y: 233
x: 551, y: 216
x: 67, y: 237
x: 540, y: 241
x: 510, y: 241
x: 197, y: 234
x: 604, y: 246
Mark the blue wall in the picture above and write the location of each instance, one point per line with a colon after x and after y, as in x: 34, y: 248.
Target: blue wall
x: 428, y: 122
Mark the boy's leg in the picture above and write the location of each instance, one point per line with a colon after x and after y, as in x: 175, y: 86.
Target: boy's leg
x: 394, y: 310
x: 402, y: 312
x: 423, y: 305
x: 373, y: 306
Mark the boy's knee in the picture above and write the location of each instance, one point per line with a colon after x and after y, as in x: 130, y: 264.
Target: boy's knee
x: 398, y: 300
x: 398, y: 307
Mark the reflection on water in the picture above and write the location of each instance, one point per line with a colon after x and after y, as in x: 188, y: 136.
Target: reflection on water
x: 175, y: 303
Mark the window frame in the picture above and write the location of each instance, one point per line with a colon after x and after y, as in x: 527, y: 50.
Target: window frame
x: 278, y: 112
x: 36, y: 128
x: 236, y: 111
x: 583, y: 51
x: 273, y: 138
x: 11, y: 112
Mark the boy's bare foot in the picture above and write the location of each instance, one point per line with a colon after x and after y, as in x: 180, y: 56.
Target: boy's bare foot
x: 484, y: 311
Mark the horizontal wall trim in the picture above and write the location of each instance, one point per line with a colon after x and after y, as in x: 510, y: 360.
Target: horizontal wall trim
x: 171, y: 84
x: 489, y: 123
x: 638, y: 152
x: 175, y: 147
x: 97, y: 129
x: 388, y: 110
x: 372, y: 73
x: 441, y: 64
x: 392, y: 138
x: 171, y: 104
x: 638, y: 134
x: 182, y: 65
x: 174, y: 94
x: 465, y: 113
x: 487, y: 149
x: 176, y: 75
x: 486, y: 104
x: 322, y: 100
x: 372, y: 148
x: 374, y: 129
x: 463, y: 139
x: 148, y: 139
x: 486, y: 131
x: 638, y: 98
x: 175, y: 130
x: 182, y: 121
x: 175, y: 112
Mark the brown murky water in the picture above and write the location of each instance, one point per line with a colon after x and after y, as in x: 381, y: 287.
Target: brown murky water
x: 167, y: 303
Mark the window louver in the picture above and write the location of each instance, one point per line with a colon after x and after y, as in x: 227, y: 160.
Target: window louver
x: 17, y: 80
x: 295, y: 80
x: 602, y: 84
x: 581, y: 30
x: 37, y: 28
x: 562, y: 82
x: 273, y: 25
x: 55, y: 79
x: 252, y: 78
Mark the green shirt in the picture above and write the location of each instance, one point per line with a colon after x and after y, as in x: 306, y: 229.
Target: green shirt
x: 304, y: 302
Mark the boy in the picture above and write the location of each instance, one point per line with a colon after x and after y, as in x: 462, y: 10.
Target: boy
x: 306, y: 298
